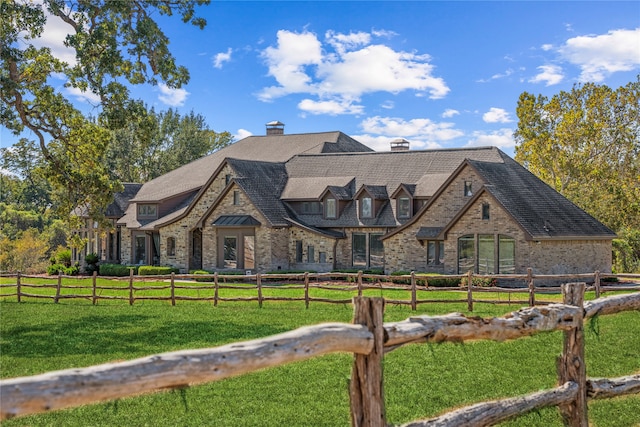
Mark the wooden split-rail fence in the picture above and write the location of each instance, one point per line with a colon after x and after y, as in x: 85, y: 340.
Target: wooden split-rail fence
x: 133, y: 288
x: 368, y: 338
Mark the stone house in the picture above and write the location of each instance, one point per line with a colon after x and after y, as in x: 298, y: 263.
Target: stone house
x: 323, y: 202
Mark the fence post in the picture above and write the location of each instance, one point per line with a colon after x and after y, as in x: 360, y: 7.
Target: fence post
x: 18, y: 287
x: 597, y: 284
x: 469, y: 290
x: 360, y: 283
x: 131, y: 286
x: 532, y: 289
x: 366, y: 391
x: 571, y: 364
x: 58, y: 286
x: 306, y: 289
x: 173, y: 288
x: 413, y: 291
x: 215, y: 289
x: 259, y: 284
x: 93, y: 288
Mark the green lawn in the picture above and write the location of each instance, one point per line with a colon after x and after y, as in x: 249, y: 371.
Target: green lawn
x: 419, y: 380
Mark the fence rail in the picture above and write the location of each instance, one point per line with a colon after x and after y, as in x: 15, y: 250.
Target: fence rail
x: 415, y: 285
x: 368, y: 338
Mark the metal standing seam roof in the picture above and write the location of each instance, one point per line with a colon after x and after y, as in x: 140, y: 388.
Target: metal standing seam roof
x: 235, y: 221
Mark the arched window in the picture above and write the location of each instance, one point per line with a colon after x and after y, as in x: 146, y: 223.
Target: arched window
x: 171, y: 246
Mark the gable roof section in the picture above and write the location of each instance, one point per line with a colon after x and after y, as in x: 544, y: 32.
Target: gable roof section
x: 263, y: 183
x: 377, y: 192
x: 539, y: 209
x: 268, y: 148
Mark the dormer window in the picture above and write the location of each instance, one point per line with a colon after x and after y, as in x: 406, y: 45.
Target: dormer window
x: 366, y: 207
x: 330, y: 208
x: 468, y: 191
x: 147, y: 211
x: 404, y: 207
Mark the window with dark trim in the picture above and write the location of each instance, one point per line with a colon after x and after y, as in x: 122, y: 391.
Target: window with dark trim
x: 435, y: 252
x: 236, y: 197
x: 486, y: 254
x: 227, y: 179
x: 322, y: 257
x: 468, y: 190
x: 330, y: 208
x: 404, y: 207
x: 366, y: 207
x: 367, y: 250
x: 311, y: 254
x: 298, y: 250
x: 171, y: 246
x: 485, y: 211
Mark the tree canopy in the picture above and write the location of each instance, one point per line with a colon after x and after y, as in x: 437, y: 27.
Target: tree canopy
x: 116, y: 44
x: 586, y: 144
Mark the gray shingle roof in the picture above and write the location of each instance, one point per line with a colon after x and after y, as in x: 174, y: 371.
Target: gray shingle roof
x: 539, y: 209
x: 389, y: 169
x: 268, y: 148
x: 263, y: 183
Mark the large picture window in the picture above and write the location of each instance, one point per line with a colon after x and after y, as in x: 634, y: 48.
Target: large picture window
x: 367, y: 250
x: 507, y: 255
x: 466, y: 253
x: 435, y: 252
x: 486, y: 254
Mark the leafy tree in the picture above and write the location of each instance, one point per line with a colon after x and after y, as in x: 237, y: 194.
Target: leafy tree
x: 116, y: 43
x: 154, y: 144
x: 586, y: 144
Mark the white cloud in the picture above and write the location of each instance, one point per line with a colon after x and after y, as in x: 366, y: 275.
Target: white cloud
x: 422, y: 133
x: 498, y: 76
x: 502, y: 138
x: 598, y: 56
x: 546, y: 47
x: 388, y: 105
x: 450, y: 112
x: 220, y: 58
x: 172, y: 97
x: 496, y: 115
x: 330, y: 107
x: 551, y: 74
x: 241, y: 134
x: 86, y: 96
x: 345, y: 68
x: 54, y: 33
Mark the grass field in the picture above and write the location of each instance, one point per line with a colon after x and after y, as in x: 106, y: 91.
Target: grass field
x: 419, y: 380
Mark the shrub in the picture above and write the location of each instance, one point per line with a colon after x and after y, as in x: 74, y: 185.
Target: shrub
x: 91, y: 261
x: 117, y: 269
x: 207, y: 279
x: 153, y: 270
x: 72, y: 270
x: 55, y: 269
x: 63, y: 256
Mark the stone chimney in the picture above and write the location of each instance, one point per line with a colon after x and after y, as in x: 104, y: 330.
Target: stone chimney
x: 275, y: 128
x: 400, y: 144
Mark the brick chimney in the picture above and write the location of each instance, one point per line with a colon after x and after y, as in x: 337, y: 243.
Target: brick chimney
x: 400, y: 144
x: 275, y: 128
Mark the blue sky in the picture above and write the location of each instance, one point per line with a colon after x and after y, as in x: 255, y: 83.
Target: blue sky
x: 437, y: 73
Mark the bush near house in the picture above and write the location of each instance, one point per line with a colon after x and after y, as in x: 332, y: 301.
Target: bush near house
x: 117, y: 269
x: 91, y: 261
x: 156, y: 270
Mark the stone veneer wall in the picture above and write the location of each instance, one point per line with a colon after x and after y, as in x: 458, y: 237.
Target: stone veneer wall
x: 320, y: 244
x: 265, y: 237
x: 403, y: 251
x: 499, y: 222
x: 126, y: 241
x: 180, y: 230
